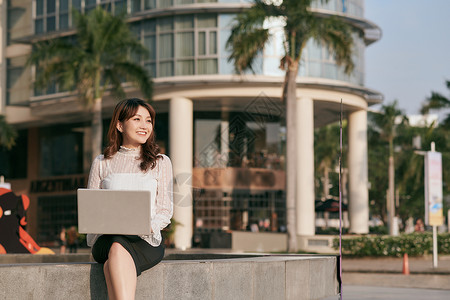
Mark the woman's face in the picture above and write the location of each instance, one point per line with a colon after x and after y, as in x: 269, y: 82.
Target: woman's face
x: 137, y: 129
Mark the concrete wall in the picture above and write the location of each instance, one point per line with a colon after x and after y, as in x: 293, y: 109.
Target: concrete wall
x: 277, y: 242
x: 258, y: 241
x: 270, y: 277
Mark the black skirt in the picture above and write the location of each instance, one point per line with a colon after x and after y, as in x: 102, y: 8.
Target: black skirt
x: 144, y: 255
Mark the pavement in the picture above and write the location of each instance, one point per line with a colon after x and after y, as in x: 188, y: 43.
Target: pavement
x: 394, y: 265
x: 353, y: 292
x: 387, y: 272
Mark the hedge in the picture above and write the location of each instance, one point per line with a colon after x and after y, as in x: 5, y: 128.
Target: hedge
x: 414, y: 244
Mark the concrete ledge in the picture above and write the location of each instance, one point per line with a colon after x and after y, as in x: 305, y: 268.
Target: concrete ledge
x: 267, y: 277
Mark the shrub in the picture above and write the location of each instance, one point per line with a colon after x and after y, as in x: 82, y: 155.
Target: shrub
x: 414, y: 244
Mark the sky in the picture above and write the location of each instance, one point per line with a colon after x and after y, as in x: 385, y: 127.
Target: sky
x: 412, y: 58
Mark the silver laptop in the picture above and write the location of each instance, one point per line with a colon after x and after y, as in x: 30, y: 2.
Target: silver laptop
x: 102, y: 211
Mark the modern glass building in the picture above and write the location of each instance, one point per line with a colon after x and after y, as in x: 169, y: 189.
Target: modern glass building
x: 225, y: 133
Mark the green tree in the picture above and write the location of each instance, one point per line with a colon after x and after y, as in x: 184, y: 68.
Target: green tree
x: 7, y: 134
x: 437, y: 102
x: 247, y: 39
x: 96, y: 61
x: 386, y: 123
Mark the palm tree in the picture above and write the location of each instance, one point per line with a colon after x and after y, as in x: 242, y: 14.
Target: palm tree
x: 7, y: 134
x: 97, y: 60
x: 385, y: 123
x: 247, y: 39
x: 438, y: 101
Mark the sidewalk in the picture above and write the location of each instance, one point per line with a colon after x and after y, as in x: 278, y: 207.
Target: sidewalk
x: 417, y: 265
x: 387, y: 272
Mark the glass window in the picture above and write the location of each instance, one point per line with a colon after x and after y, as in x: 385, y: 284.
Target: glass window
x: 184, y: 44
x: 149, y: 4
x: 330, y: 71
x: 314, y: 50
x: 165, y: 45
x: 207, y: 143
x: 135, y: 6
x: 149, y: 26
x: 212, y: 42
x: 76, y: 4
x: 135, y: 28
x: 61, y: 152
x: 165, y: 69
x: 184, y: 22
x: 202, y: 43
x: 314, y: 69
x: 63, y: 5
x: 120, y: 6
x: 183, y: 2
x: 150, y: 44
x: 184, y: 67
x: 39, y: 7
x: 39, y: 26
x: 165, y: 24
x: 174, y: 43
x: 207, y: 66
x: 63, y: 21
x: 206, y: 20
x: 151, y: 69
x: 51, y: 6
x: 164, y: 3
x: 51, y: 24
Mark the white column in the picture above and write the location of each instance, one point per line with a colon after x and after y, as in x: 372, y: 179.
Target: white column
x: 358, y: 172
x: 305, y: 167
x: 181, y: 153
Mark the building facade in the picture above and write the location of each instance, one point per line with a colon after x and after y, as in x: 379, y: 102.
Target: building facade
x: 225, y: 133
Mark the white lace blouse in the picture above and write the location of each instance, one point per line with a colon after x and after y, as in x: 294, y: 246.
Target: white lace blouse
x: 122, y: 172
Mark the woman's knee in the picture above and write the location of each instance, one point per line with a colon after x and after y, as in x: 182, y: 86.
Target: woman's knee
x: 116, y: 250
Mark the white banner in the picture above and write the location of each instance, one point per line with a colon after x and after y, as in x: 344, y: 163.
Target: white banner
x: 433, y: 189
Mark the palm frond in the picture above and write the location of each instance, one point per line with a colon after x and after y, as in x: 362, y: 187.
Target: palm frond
x: 114, y: 83
x: 436, y: 101
x: 248, y: 36
x: 8, y: 134
x: 136, y: 74
x: 337, y: 36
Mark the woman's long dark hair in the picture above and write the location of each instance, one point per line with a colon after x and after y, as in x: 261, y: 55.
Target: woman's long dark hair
x: 123, y: 111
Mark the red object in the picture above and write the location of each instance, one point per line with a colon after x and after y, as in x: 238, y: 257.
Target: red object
x: 13, y: 236
x: 405, y: 264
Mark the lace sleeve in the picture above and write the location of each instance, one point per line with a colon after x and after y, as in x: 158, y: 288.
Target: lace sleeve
x: 164, y: 199
x: 94, y: 181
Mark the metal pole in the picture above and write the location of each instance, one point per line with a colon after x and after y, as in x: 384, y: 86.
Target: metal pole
x: 435, y: 248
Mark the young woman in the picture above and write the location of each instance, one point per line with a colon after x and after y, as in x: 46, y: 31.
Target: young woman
x: 130, y: 161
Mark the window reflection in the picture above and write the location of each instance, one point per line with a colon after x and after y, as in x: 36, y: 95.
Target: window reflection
x: 236, y: 142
